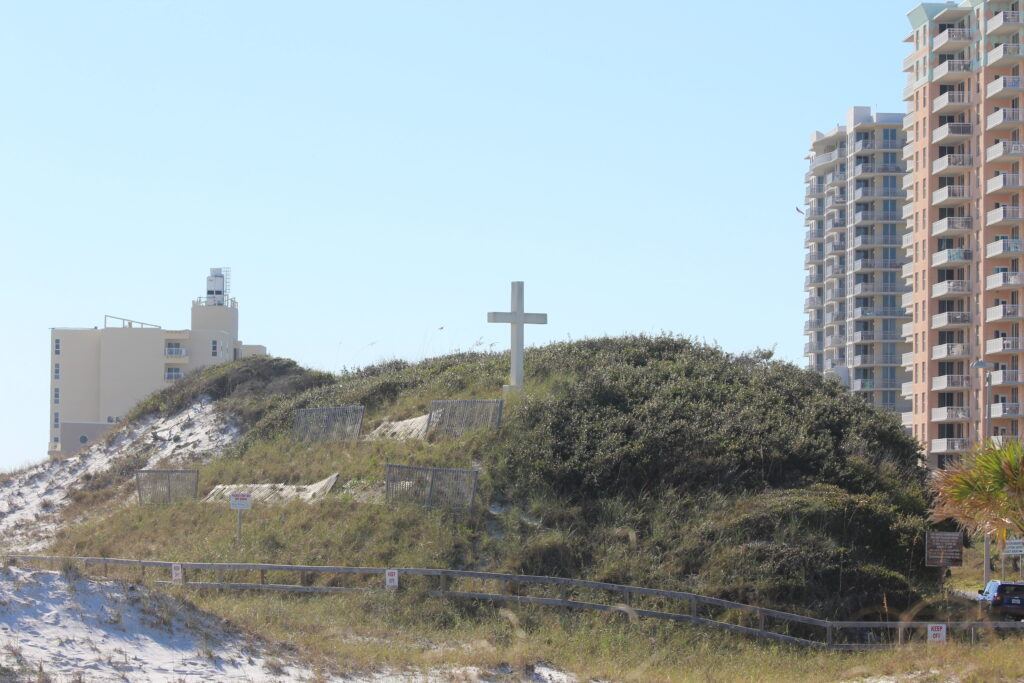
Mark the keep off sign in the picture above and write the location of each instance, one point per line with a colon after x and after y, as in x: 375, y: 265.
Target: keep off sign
x: 241, y: 501
x: 936, y: 633
x: 391, y: 579
x: 1014, y: 547
x: 177, y: 575
x: 944, y: 549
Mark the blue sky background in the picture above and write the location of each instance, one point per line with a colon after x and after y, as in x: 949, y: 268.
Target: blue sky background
x: 374, y: 171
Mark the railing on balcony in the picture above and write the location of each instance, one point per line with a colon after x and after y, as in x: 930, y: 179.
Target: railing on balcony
x: 175, y: 352
x: 1004, y: 214
x: 951, y: 382
x: 1003, y: 181
x: 1004, y: 345
x: 1003, y: 22
x: 1001, y: 378
x: 952, y: 35
x: 951, y: 318
x: 948, y: 287
x: 1003, y: 83
x: 945, y: 256
x: 952, y: 67
x: 953, y: 445
x: 1002, y: 312
x: 1004, y: 117
x: 951, y: 414
x: 1006, y: 51
x: 999, y: 410
x: 1004, y: 247
x: 953, y: 98
x: 1004, y: 279
x: 951, y: 193
x: 955, y: 161
x: 1005, y: 148
x: 951, y: 224
x: 950, y: 351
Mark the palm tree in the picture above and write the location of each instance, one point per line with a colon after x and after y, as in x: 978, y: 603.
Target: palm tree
x: 984, y: 492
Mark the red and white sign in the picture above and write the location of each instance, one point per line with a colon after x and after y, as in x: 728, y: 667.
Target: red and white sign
x: 241, y: 501
x: 391, y: 578
x: 936, y: 633
x: 177, y: 575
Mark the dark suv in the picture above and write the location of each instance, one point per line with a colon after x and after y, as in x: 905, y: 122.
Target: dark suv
x: 1008, y: 601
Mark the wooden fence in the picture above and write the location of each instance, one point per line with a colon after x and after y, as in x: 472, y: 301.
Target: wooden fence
x: 636, y: 601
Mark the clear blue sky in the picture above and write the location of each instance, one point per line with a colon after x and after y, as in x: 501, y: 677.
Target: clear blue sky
x: 374, y: 171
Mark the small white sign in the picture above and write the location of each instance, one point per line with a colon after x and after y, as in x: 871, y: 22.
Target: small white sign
x: 391, y: 579
x: 936, y: 633
x: 241, y: 501
x: 1014, y: 547
x: 177, y: 575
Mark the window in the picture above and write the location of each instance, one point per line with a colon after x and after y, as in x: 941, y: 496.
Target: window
x: 213, y: 348
x: 56, y: 347
x: 83, y: 438
x: 172, y: 374
x: 56, y: 439
x: 56, y: 370
x: 56, y: 396
x: 56, y: 420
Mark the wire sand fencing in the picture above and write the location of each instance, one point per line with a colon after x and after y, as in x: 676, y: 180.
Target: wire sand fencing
x: 432, y: 487
x: 163, y: 487
x: 454, y: 418
x: 337, y: 423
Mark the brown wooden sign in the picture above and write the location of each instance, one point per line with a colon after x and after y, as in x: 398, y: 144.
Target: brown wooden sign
x: 944, y: 549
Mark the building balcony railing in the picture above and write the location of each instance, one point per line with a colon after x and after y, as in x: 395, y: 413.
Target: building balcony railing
x: 834, y: 340
x: 1004, y: 280
x: 1004, y: 215
x: 827, y: 158
x: 171, y: 376
x: 908, y: 151
x: 835, y: 271
x: 1001, y: 345
x: 814, y: 280
x: 866, y: 264
x: 1004, y: 86
x: 1004, y: 23
x: 908, y: 210
x: 1003, y: 410
x: 878, y: 144
x: 812, y: 302
x: 835, y: 179
x: 907, y: 300
x: 870, y: 288
x: 868, y: 336
x: 943, y: 351
x: 953, y: 38
x: 814, y: 235
x: 833, y: 317
x: 868, y: 360
x: 907, y: 240
x: 951, y: 319
x: 834, y: 295
x: 951, y: 195
x: 908, y: 270
x: 952, y: 70
x: 1004, y: 151
x: 951, y: 226
x: 813, y: 347
x: 907, y: 389
x: 1006, y: 378
x: 908, y: 181
x: 865, y: 312
x: 944, y: 382
x: 951, y: 288
x: 1004, y: 182
x: 878, y: 193
x: 835, y: 223
x: 813, y: 324
x: 865, y: 241
x: 952, y: 131
x: 949, y: 446
x: 952, y: 256
x: 815, y: 188
x: 1004, y: 247
x: 952, y: 101
x: 867, y: 217
x: 953, y: 162
x: 1003, y: 119
x: 908, y: 332
x: 1006, y: 54
x: 951, y: 414
x: 1002, y: 312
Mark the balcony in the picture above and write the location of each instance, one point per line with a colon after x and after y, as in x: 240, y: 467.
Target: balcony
x: 908, y: 211
x: 813, y: 325
x: 866, y: 241
x: 827, y: 158
x: 1001, y: 440
x: 865, y: 170
x: 951, y: 414
x: 951, y: 71
x: 814, y: 235
x: 173, y: 374
x: 951, y: 288
x: 945, y: 382
x: 835, y: 223
x: 951, y: 226
x: 951, y: 195
x: 908, y: 120
x: 944, y: 351
x: 1001, y: 345
x: 907, y: 389
x: 951, y: 320
x: 812, y: 347
x: 1003, y: 119
x: 1006, y: 280
x: 833, y: 317
x: 948, y: 446
x: 952, y: 256
x: 835, y: 179
x: 908, y: 359
x: 865, y: 312
x: 1004, y: 23
x: 834, y: 271
x: 908, y: 331
x: 836, y: 200
x: 872, y: 145
x: 951, y: 102
x: 907, y: 240
x: 834, y: 340
x: 869, y: 360
x: 1006, y: 378
x: 1008, y: 312
x: 1004, y: 86
x: 908, y: 152
x: 908, y: 270
x: 953, y: 39
x: 1004, y: 152
x: 908, y: 180
x: 868, y: 336
x: 812, y: 302
x: 834, y: 248
x: 952, y: 132
x: 907, y: 300
x: 862, y: 385
x: 870, y: 288
x: 868, y: 264
x: 953, y: 163
x: 815, y: 188
x: 175, y: 354
x: 1004, y: 410
x: 1004, y: 215
x: 1004, y: 247
x: 1004, y: 182
x: 834, y: 295
x: 878, y: 193
x: 1007, y: 54
x: 814, y: 280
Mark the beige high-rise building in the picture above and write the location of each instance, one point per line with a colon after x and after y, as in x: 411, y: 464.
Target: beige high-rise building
x: 98, y: 374
x: 854, y: 255
x: 963, y: 208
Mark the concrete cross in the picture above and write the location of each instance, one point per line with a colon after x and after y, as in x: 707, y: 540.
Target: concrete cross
x: 517, y: 318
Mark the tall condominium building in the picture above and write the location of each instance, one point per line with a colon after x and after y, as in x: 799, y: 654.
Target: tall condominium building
x: 854, y: 255
x: 98, y: 374
x: 964, y: 214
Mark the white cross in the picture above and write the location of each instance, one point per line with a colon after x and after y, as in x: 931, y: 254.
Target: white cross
x: 517, y: 318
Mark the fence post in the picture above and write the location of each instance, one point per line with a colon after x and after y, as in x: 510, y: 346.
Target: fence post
x: 263, y: 577
x: 900, y: 630
x: 828, y: 634
x: 760, y: 620
x: 972, y: 634
x: 693, y: 607
x: 430, y: 489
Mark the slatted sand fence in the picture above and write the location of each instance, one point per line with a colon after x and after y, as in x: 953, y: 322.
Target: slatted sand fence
x: 163, y: 487
x: 453, y: 418
x: 333, y: 423
x: 633, y: 602
x: 433, y: 487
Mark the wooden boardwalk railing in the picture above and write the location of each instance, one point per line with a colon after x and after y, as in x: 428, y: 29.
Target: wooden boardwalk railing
x: 763, y: 623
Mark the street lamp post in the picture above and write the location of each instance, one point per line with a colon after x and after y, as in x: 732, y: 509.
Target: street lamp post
x: 986, y: 417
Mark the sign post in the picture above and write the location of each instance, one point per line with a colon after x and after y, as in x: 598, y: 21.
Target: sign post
x: 240, y: 501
